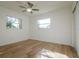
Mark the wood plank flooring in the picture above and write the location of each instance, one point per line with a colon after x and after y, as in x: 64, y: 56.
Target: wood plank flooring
x: 31, y: 48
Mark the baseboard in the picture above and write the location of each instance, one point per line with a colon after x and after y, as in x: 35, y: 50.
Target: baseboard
x: 12, y: 43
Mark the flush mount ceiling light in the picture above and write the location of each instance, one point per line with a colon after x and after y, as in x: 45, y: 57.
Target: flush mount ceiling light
x: 28, y: 7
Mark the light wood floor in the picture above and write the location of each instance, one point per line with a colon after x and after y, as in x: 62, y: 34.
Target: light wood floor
x: 30, y: 48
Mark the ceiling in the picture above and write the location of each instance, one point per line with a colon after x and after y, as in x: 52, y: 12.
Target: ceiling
x: 43, y: 6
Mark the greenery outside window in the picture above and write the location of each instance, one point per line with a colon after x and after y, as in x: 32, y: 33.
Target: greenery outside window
x: 13, y: 23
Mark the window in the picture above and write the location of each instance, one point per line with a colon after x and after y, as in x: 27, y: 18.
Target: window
x: 44, y: 23
x: 13, y: 23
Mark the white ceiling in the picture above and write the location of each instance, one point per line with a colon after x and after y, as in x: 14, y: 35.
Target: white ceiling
x: 43, y: 6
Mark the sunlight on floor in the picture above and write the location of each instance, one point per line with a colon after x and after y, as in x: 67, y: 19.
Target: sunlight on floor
x: 44, y: 53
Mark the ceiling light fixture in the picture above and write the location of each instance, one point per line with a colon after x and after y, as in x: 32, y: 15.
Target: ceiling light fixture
x: 29, y: 9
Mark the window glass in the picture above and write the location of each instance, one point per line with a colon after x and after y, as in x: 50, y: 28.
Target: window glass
x: 44, y: 23
x: 13, y: 23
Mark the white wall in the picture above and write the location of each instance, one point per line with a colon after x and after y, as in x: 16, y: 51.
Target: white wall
x: 61, y: 27
x: 77, y: 28
x: 8, y: 36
